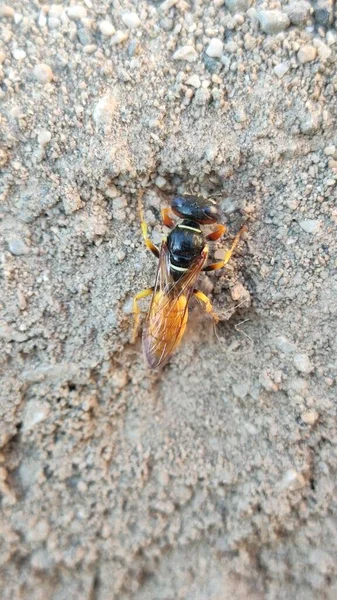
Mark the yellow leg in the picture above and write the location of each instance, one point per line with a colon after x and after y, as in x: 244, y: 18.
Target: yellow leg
x: 136, y: 309
x: 143, y: 225
x: 207, y: 303
x: 222, y: 263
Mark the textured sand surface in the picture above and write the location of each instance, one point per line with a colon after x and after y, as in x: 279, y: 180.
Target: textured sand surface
x: 216, y: 478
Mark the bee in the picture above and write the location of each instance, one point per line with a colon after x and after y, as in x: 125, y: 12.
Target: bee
x: 182, y: 257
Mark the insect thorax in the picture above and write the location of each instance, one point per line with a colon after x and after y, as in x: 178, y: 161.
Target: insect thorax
x: 185, y: 243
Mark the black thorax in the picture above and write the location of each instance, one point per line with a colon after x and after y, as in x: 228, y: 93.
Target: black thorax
x: 185, y: 243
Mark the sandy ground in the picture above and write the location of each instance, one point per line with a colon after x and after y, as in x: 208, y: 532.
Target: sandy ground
x: 216, y: 478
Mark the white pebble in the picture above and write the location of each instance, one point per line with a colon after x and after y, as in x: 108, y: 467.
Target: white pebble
x: 104, y: 111
x: 188, y: 53
x: 309, y: 417
x: 273, y: 21
x: 329, y: 150
x: 106, y: 28
x: 17, y: 246
x: 331, y: 37
x: 22, y: 303
x: 160, y: 182
x: 44, y: 137
x: 236, y: 6
x: 285, y: 345
x: 310, y: 225
x: 231, y: 47
x: 131, y: 20
x: 75, y: 13
x: 42, y: 20
x: 281, y: 69
x: 43, y: 73
x: 324, y: 52
x: 215, y: 48
x: 306, y: 54
x: 55, y: 11
x: 302, y: 363
x: 240, y: 390
x: 19, y: 54
x: 194, y: 81
x: 35, y: 412
x: 119, y: 37
x: 267, y: 383
x: 293, y: 480
x: 54, y: 23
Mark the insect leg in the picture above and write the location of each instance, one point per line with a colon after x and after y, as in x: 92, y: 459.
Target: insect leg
x: 136, y: 309
x: 217, y: 233
x: 222, y: 263
x: 150, y: 245
x: 166, y: 218
x: 207, y: 303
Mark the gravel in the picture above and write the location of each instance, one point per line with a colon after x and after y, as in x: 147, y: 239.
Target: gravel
x: 215, y: 48
x: 306, y: 54
x: 273, y: 21
x: 213, y: 478
x: 310, y: 225
x: 43, y: 73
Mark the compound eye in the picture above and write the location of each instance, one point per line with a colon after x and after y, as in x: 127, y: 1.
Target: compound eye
x: 212, y: 212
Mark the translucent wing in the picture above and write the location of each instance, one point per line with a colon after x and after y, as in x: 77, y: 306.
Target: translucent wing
x: 167, y: 317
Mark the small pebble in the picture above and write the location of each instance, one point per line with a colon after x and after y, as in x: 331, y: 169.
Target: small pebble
x: 215, y: 48
x: 281, y: 69
x: 131, y: 20
x: 22, y: 304
x: 240, y: 390
x: 331, y: 37
x: 35, y: 412
x: 44, y: 137
x: 106, y: 28
x: 19, y: 54
x: 273, y: 21
x: 76, y: 13
x: 7, y: 12
x: 285, y: 345
x: 188, y: 53
x: 160, y: 182
x: 303, y: 363
x: 324, y: 52
x: 329, y: 150
x: 298, y: 12
x: 292, y: 480
x: 309, y: 417
x: 43, y: 73
x: 194, y: 81
x: 239, y: 293
x: 119, y: 37
x: 231, y: 47
x: 104, y: 110
x: 310, y: 225
x: 306, y: 54
x: 267, y: 383
x: 17, y: 247
x: 2, y: 57
x: 42, y: 20
x: 237, y: 6
x: 323, y: 12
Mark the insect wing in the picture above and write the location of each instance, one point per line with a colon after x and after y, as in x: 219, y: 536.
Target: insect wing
x: 167, y: 317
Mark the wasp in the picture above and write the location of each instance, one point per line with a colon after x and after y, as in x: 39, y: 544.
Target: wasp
x: 182, y: 257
